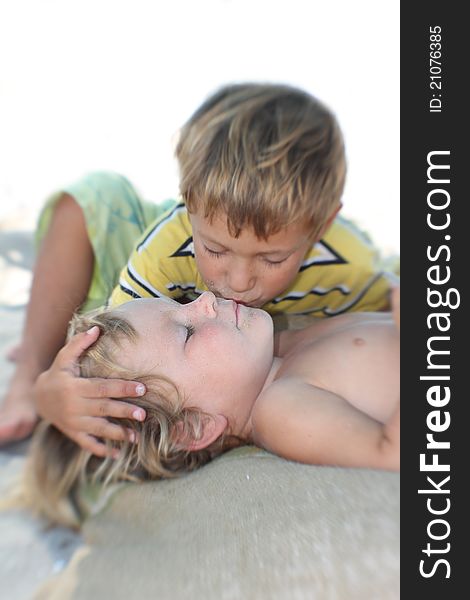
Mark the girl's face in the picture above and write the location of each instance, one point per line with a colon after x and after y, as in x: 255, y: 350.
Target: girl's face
x: 216, y: 351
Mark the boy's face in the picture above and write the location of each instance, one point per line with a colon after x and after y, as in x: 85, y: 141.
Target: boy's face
x: 216, y: 352
x: 247, y: 269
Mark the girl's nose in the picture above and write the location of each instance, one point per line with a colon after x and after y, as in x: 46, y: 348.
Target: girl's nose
x: 207, y: 303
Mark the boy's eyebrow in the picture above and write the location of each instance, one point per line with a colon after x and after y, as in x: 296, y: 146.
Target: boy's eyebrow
x: 283, y: 251
x: 207, y: 238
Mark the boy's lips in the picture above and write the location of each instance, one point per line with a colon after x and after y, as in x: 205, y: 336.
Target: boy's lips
x: 253, y: 304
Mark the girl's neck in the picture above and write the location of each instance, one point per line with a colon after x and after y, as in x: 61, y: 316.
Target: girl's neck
x: 247, y: 431
x: 272, y: 373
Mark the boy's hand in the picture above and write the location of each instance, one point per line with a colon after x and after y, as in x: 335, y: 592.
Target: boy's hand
x: 79, y: 406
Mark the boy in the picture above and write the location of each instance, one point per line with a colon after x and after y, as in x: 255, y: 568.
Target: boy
x: 262, y: 170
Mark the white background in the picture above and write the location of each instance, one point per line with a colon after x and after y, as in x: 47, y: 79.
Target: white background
x: 105, y: 84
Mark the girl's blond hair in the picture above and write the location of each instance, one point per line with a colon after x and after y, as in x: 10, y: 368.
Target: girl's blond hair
x: 57, y: 467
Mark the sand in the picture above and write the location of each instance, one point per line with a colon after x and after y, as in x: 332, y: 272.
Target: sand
x: 29, y: 553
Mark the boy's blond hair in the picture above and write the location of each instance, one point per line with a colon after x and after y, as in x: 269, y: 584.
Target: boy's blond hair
x: 264, y: 155
x: 57, y: 467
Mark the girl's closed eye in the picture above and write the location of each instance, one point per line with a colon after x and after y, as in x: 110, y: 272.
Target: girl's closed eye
x: 189, y: 332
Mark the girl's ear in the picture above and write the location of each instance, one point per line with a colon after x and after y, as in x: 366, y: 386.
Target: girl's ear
x: 213, y: 429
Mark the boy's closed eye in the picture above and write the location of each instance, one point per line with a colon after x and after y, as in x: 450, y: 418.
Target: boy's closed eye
x: 214, y: 253
x: 267, y: 261
x: 274, y: 263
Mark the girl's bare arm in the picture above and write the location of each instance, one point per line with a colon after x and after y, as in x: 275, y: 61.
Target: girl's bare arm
x: 311, y: 425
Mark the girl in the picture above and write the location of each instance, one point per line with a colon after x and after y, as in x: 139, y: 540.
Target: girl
x: 327, y: 394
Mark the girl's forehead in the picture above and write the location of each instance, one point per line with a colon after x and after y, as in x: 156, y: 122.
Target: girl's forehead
x: 157, y: 304
x: 155, y: 320
x: 146, y: 310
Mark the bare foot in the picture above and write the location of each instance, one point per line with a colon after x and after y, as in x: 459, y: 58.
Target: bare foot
x: 18, y: 416
x: 14, y: 353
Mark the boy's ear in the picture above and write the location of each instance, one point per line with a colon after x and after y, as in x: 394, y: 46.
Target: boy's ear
x: 213, y: 429
x: 328, y: 223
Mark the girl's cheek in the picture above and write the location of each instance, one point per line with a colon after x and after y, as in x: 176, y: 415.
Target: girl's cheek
x: 210, y: 336
x: 214, y: 340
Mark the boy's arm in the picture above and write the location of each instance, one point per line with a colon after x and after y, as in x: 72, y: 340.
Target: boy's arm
x: 308, y: 424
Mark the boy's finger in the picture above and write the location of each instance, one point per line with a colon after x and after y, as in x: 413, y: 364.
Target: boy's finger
x: 112, y: 388
x: 88, y: 442
x: 104, y: 430
x: 78, y: 344
x: 115, y: 408
x: 99, y: 448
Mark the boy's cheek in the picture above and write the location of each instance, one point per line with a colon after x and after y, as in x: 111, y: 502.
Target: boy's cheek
x: 206, y: 265
x: 209, y: 274
x: 202, y: 265
x: 280, y: 279
x: 213, y: 276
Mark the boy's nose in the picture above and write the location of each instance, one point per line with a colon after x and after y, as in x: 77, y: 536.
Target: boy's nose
x: 240, y: 278
x: 207, y: 303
